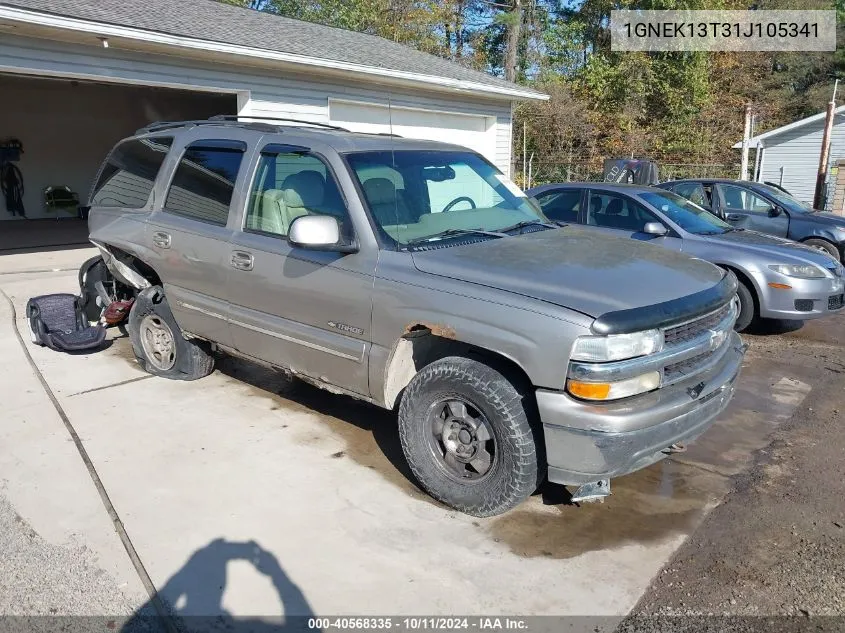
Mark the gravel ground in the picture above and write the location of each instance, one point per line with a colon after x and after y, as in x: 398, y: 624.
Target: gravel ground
x: 41, y: 579
x: 771, y: 557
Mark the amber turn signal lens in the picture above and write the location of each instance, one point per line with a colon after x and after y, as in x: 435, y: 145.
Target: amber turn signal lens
x: 780, y: 286
x: 589, y: 390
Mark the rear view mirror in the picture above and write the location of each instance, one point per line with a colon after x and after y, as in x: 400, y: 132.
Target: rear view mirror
x: 439, y: 174
x: 317, y: 232
x: 655, y: 228
x: 775, y: 212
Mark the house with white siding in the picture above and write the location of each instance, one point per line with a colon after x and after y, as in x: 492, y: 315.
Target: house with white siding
x: 78, y: 75
x: 789, y: 156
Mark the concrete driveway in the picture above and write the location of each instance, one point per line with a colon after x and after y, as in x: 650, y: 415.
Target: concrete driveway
x: 244, y: 494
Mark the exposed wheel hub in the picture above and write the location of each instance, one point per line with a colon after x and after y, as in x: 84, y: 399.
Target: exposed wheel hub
x: 158, y: 342
x: 462, y: 439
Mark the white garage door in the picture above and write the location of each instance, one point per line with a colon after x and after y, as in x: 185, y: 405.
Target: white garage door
x: 473, y: 131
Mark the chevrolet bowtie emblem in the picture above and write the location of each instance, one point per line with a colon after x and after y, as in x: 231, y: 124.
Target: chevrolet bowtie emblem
x: 717, y: 337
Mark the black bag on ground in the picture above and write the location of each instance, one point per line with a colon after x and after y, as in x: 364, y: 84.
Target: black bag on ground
x: 59, y: 322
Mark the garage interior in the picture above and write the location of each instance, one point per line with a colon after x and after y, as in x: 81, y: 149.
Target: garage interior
x: 66, y: 127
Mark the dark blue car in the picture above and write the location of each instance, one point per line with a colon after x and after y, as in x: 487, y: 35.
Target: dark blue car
x: 764, y: 208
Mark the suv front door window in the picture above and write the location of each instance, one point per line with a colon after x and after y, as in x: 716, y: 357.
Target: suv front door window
x: 304, y: 309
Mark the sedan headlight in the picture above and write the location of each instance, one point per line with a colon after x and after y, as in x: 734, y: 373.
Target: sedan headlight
x: 802, y: 271
x: 617, y: 346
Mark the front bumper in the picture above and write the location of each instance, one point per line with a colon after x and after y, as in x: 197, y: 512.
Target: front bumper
x: 587, y: 441
x: 815, y: 294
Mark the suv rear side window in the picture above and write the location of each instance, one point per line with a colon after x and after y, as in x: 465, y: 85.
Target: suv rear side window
x: 204, y: 182
x: 127, y: 178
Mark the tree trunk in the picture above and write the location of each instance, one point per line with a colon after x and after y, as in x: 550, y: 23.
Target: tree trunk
x: 459, y: 31
x: 514, y: 26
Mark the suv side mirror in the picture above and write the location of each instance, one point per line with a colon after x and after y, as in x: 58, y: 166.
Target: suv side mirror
x: 655, y: 228
x: 318, y: 232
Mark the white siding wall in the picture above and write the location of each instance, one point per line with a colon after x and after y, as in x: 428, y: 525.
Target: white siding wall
x: 271, y: 93
x: 797, y: 152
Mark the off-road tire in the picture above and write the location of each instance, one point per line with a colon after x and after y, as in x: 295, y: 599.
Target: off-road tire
x: 192, y: 358
x: 747, y: 307
x: 824, y: 245
x: 515, y: 471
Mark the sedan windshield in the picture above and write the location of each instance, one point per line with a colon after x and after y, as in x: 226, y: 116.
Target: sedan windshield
x: 421, y: 196
x: 791, y: 204
x: 688, y: 215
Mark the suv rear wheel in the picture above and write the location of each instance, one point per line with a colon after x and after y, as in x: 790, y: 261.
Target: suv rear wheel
x: 467, y: 437
x: 158, y: 343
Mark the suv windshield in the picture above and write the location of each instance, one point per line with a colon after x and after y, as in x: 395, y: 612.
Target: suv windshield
x: 417, y: 195
x: 688, y: 215
x: 786, y: 200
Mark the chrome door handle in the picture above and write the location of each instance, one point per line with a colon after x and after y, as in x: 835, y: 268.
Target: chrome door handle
x: 241, y: 260
x: 161, y: 239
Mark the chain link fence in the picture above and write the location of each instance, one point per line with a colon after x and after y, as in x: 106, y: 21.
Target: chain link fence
x: 533, y: 172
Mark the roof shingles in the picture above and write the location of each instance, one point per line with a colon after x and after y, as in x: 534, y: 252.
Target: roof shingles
x: 214, y: 21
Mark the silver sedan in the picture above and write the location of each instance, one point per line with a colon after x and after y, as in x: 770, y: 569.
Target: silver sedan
x: 778, y: 278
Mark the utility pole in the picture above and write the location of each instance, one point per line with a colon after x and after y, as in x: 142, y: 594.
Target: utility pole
x: 524, y: 152
x: 746, y: 135
x: 824, y: 157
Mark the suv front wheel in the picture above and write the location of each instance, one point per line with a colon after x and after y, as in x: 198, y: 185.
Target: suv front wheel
x: 467, y: 437
x: 158, y: 343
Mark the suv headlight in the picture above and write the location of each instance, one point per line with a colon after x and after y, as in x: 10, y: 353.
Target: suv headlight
x: 617, y: 346
x: 614, y: 390
x: 802, y: 271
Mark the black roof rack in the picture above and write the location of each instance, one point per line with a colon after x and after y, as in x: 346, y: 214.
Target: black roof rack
x: 232, y: 119
x: 238, y: 117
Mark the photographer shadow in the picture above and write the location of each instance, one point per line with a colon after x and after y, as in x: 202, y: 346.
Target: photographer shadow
x: 193, y: 597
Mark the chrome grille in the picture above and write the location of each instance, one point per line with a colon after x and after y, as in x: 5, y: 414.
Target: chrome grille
x: 691, y: 348
x: 684, y: 332
x: 679, y: 371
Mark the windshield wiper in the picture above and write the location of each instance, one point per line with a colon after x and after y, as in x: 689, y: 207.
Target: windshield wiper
x: 452, y: 233
x: 525, y: 223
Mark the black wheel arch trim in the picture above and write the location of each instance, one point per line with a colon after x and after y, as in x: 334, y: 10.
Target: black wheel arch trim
x: 667, y: 313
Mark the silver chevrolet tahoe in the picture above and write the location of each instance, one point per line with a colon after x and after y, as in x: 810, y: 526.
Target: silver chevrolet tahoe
x: 416, y: 276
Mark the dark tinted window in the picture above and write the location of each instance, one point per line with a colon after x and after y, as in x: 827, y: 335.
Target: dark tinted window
x: 614, y: 211
x: 288, y: 185
x: 561, y: 204
x: 694, y: 192
x: 203, y: 184
x: 129, y: 174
